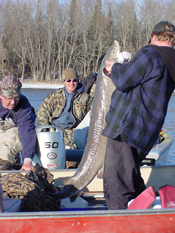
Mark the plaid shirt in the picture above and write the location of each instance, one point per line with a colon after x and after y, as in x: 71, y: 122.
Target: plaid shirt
x: 139, y: 103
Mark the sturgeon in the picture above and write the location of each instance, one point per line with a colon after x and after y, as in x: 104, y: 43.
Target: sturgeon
x: 94, y: 153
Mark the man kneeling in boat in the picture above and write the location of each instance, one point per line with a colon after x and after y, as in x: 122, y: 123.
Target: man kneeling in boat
x: 66, y: 107
x: 17, y: 125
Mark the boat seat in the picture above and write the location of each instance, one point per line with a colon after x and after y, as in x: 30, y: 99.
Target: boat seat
x: 74, y: 155
x: 9, y: 205
x: 81, y: 132
x: 80, y: 138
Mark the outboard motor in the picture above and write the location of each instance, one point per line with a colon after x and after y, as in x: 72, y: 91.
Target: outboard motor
x: 50, y: 147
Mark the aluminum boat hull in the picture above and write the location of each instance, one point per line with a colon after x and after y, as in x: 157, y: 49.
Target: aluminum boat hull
x: 93, y: 221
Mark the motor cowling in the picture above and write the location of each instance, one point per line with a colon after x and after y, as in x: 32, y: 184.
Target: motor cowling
x: 50, y: 147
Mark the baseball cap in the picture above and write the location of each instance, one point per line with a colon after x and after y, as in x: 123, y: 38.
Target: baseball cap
x: 69, y: 74
x: 10, y: 87
x: 163, y: 26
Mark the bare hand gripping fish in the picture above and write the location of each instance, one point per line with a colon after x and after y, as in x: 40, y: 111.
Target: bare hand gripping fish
x: 94, y: 153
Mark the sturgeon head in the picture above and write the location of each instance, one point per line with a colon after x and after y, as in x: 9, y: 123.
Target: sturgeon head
x: 94, y: 153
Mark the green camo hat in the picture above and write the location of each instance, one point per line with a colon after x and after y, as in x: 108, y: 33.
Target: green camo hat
x: 10, y: 87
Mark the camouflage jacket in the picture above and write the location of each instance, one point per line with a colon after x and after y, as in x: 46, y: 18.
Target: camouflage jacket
x: 54, y: 104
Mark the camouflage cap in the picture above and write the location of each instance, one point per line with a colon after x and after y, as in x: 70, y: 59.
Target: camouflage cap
x: 69, y: 74
x: 10, y: 87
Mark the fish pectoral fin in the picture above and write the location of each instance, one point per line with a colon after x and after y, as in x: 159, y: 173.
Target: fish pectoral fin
x: 73, y: 198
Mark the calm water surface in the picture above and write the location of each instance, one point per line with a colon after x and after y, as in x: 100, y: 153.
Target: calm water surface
x: 36, y: 97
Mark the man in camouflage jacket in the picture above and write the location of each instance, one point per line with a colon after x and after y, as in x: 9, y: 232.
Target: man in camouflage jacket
x: 66, y: 107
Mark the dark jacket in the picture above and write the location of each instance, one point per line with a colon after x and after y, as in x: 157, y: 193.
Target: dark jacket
x: 24, y: 118
x: 140, y: 100
x: 88, y: 81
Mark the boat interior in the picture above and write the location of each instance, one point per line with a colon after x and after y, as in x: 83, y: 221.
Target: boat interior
x: 92, y: 196
x: 80, y: 137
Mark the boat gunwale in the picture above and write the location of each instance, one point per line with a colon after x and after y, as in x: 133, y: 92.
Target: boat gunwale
x: 74, y: 170
x: 85, y: 213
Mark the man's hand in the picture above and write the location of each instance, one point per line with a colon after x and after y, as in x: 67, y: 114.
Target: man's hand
x: 124, y: 57
x: 107, y: 69
x: 27, y: 165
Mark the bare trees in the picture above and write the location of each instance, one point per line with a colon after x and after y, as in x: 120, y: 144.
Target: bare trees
x: 149, y: 16
x: 125, y: 22
x: 40, y: 38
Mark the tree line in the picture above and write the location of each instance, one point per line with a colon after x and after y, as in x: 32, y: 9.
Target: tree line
x: 40, y: 38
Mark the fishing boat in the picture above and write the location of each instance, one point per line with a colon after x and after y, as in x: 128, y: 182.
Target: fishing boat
x: 89, y: 212
x: 160, y: 151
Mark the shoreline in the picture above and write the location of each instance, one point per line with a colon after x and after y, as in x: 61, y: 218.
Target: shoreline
x: 41, y: 85
x: 44, y: 85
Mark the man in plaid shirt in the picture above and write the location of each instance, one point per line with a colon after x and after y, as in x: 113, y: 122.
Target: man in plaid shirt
x: 137, y: 113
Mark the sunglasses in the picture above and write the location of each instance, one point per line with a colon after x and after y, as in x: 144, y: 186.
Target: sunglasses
x: 73, y: 80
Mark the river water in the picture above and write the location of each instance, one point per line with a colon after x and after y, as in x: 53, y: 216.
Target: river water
x: 36, y: 97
